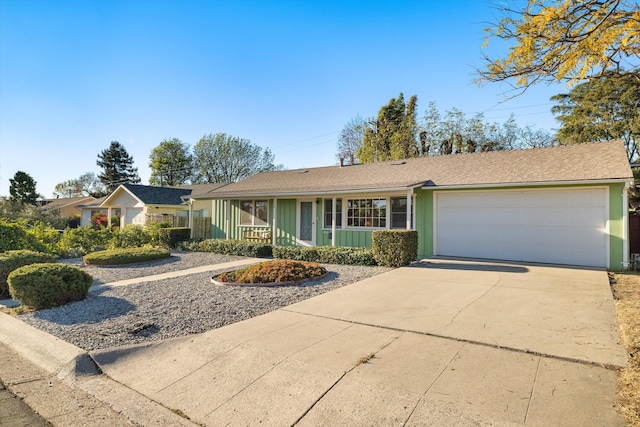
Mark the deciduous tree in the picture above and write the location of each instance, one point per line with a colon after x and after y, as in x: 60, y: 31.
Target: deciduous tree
x: 600, y: 110
x: 226, y: 158
x: 87, y: 184
x: 117, y: 167
x: 565, y: 40
x: 22, y: 188
x: 171, y: 163
x: 351, y: 138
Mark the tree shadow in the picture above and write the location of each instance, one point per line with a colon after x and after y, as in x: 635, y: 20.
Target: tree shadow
x: 93, y: 309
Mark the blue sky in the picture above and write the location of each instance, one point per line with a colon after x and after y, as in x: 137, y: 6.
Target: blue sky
x: 78, y: 74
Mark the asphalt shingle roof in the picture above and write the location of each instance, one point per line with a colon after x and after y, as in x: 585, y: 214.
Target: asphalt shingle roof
x: 579, y: 162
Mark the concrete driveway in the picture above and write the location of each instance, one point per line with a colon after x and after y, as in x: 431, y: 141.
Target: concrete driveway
x: 443, y: 342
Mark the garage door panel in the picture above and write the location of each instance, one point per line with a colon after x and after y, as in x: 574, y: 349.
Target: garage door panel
x: 566, y: 226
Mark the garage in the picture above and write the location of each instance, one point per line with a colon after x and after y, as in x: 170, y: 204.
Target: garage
x: 560, y: 225
x: 135, y: 216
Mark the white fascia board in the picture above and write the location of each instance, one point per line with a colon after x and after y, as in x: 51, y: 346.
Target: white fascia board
x: 103, y: 204
x: 304, y: 194
x: 528, y: 184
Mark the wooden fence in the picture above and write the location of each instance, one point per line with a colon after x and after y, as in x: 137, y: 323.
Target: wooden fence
x: 201, y: 226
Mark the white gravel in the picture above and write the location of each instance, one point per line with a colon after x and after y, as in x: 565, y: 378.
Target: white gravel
x: 151, y: 311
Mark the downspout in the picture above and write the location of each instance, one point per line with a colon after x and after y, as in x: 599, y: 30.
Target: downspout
x: 191, y: 216
x: 625, y: 225
x: 409, y: 208
x: 334, y: 206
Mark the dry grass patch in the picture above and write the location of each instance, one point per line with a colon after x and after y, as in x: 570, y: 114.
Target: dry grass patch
x: 626, y: 291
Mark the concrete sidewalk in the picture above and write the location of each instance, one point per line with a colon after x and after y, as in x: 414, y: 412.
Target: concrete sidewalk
x: 446, y: 343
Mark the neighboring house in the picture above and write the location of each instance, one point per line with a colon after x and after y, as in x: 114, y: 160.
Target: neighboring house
x: 564, y: 205
x: 140, y: 204
x: 68, y: 207
x: 88, y: 210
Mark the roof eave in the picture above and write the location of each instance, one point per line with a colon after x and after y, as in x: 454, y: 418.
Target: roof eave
x: 303, y: 193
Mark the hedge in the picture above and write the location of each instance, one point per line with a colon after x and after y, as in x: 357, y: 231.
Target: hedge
x: 169, y: 237
x: 126, y: 256
x: 326, y: 254
x: 228, y: 247
x: 394, y: 248
x: 49, y: 285
x: 12, y: 260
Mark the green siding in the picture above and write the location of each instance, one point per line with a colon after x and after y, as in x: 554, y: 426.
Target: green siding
x: 616, y: 236
x: 218, y: 230
x: 352, y: 238
x: 286, y: 222
x: 424, y: 222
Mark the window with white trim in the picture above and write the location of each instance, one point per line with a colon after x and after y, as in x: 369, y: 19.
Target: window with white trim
x: 328, y: 213
x: 399, y: 212
x: 254, y: 212
x: 367, y: 213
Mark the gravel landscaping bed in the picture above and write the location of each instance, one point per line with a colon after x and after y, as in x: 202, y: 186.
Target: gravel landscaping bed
x: 151, y: 311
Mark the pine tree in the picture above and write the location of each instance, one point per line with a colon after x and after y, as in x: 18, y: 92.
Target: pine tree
x: 117, y: 167
x: 22, y: 188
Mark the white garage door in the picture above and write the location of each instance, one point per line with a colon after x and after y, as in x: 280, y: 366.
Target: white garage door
x: 567, y: 226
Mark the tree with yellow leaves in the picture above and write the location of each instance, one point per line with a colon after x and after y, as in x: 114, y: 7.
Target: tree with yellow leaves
x: 565, y: 41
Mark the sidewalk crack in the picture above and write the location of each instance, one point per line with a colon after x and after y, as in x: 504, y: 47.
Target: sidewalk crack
x: 533, y: 388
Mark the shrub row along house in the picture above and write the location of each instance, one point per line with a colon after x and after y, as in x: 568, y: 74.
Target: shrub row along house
x: 564, y: 205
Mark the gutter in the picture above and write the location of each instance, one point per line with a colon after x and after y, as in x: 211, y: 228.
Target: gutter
x: 529, y: 184
x: 305, y: 193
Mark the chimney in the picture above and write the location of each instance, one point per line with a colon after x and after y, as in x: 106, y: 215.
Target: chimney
x: 341, y: 161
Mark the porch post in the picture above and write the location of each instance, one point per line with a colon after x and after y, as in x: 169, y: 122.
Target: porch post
x: 334, y: 206
x: 409, y: 208
x: 109, y: 216
x: 228, y: 219
x: 274, y: 229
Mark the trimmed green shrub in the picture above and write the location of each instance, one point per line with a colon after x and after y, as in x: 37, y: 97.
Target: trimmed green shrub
x: 278, y: 271
x: 46, y: 235
x: 169, y: 237
x: 14, y: 236
x: 126, y: 256
x: 49, y: 285
x: 131, y: 236
x: 12, y: 260
x: 394, y: 248
x: 83, y: 240
x: 228, y: 247
x: 153, y: 229
x: 326, y: 254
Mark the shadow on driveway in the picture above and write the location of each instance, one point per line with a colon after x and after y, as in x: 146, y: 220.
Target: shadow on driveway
x: 470, y: 266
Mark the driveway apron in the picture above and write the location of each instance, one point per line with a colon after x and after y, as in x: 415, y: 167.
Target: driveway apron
x: 443, y: 342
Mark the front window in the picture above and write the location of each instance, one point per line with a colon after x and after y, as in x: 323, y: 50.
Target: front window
x: 399, y: 212
x: 369, y: 213
x: 254, y: 212
x: 328, y: 213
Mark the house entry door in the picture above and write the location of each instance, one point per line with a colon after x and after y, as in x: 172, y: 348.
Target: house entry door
x: 306, y: 223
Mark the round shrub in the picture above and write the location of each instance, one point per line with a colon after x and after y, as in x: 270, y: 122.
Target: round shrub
x: 49, y: 285
x: 12, y: 260
x: 277, y: 271
x: 126, y: 256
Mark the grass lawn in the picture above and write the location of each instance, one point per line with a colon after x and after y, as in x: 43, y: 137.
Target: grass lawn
x: 626, y: 291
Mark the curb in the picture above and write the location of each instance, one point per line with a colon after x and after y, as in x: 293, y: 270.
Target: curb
x: 53, y: 355
x: 76, y: 368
